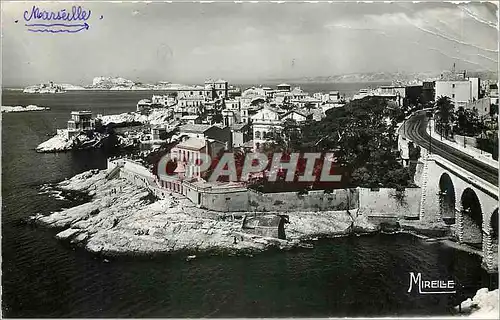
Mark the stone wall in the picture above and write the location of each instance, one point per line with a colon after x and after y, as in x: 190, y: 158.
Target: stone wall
x: 319, y: 200
x: 225, y: 201
x: 471, y: 232
x: 465, y: 141
x: 387, y: 202
x: 384, y: 202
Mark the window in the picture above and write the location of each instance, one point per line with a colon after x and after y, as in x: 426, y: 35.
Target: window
x: 453, y: 85
x: 453, y: 95
x: 191, y: 92
x: 257, y: 134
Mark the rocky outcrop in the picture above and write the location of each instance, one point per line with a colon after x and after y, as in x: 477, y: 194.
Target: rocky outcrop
x: 484, y: 305
x: 28, y: 108
x: 61, y: 142
x: 122, y: 218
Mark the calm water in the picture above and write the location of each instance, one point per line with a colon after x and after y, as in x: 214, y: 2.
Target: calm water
x: 44, y: 277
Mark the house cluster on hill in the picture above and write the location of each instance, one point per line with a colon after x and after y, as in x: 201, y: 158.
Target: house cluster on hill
x: 471, y: 93
x: 246, y: 119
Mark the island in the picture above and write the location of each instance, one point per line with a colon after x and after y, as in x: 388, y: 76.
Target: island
x: 28, y: 108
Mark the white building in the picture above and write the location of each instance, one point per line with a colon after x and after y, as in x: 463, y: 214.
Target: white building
x: 334, y: 97
x: 361, y: 94
x: 493, y: 93
x: 191, y: 119
x: 238, y: 132
x: 284, y: 87
x: 265, y: 121
x: 80, y: 121
x: 460, y: 91
x: 297, y: 115
x: 143, y: 105
x: 190, y: 150
x: 216, y: 89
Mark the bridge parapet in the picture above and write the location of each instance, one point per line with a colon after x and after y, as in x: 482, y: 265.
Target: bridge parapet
x: 472, y: 201
x: 466, y: 175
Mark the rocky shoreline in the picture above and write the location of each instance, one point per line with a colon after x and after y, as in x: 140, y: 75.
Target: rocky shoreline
x: 484, y: 305
x: 123, y: 219
x: 29, y: 108
x: 120, y: 218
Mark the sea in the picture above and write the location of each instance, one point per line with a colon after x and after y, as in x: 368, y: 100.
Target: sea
x: 45, y: 277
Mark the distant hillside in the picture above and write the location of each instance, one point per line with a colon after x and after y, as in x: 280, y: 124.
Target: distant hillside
x: 397, y: 77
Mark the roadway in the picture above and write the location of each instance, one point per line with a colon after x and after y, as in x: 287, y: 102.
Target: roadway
x: 415, y: 130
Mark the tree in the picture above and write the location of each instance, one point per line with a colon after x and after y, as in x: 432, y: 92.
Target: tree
x: 445, y: 114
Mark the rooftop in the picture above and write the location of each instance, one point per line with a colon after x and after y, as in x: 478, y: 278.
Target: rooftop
x: 195, y: 128
x: 83, y: 112
x: 192, y: 143
x: 239, y: 126
x: 190, y: 117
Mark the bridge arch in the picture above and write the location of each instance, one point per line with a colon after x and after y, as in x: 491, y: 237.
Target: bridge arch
x: 447, y: 198
x: 494, y: 226
x: 472, y: 218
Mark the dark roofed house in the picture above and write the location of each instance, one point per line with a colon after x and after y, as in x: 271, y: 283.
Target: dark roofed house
x: 207, y: 131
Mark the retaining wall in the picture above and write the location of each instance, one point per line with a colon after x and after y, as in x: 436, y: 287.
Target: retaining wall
x: 318, y: 200
x: 387, y: 202
x: 384, y: 202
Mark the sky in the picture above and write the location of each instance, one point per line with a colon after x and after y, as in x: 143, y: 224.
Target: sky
x: 248, y: 42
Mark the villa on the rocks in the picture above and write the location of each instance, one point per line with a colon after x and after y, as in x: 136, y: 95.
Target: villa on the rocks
x: 80, y: 121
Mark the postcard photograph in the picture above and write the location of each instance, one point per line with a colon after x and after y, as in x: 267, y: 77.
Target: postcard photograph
x: 249, y: 160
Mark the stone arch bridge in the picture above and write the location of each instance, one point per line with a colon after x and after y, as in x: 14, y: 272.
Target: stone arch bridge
x: 467, y: 203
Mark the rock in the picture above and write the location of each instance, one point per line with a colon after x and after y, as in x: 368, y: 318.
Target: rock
x: 484, y: 305
x: 80, y: 238
x: 390, y: 226
x: 466, y: 306
x: 68, y: 233
x: 362, y: 225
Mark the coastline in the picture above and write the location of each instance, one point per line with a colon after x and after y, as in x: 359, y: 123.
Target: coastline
x: 122, y: 218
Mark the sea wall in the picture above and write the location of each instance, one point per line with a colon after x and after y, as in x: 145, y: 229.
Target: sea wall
x: 318, y: 200
x: 383, y: 202
x: 225, y: 201
x: 390, y: 203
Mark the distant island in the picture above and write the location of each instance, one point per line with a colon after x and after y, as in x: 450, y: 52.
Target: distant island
x: 122, y: 84
x: 51, y: 87
x: 8, y: 109
x: 99, y: 83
